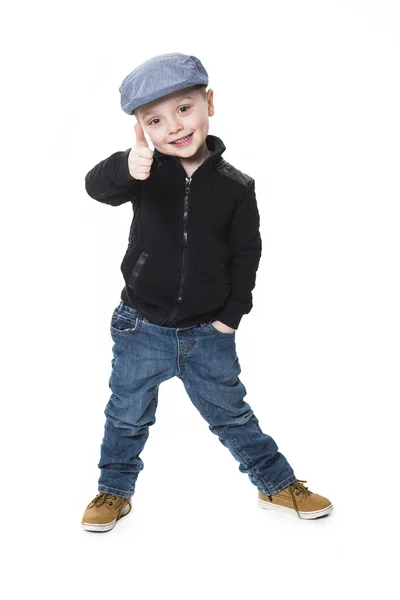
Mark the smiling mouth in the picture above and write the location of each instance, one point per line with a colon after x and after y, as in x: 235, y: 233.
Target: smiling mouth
x: 184, y: 139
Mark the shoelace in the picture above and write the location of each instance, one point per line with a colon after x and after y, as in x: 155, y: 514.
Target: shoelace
x: 297, y: 488
x: 103, y: 498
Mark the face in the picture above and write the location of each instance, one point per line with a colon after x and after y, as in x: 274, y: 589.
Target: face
x: 180, y: 114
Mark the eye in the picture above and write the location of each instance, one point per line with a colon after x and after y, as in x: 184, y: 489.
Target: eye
x: 156, y: 119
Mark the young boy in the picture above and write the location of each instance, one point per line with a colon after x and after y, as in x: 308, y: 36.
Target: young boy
x: 189, y: 271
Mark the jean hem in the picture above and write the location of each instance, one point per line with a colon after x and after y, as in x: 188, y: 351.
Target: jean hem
x: 109, y: 490
x: 279, y: 486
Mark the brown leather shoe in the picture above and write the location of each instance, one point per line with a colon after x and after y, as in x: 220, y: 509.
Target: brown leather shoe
x: 104, y: 511
x: 297, y: 498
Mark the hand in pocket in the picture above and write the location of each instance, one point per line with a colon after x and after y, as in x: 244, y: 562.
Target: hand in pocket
x: 222, y: 327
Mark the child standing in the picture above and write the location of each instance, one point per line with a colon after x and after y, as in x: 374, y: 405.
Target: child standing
x: 189, y: 271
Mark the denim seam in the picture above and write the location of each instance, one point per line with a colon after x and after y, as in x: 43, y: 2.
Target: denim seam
x: 111, y: 488
x: 183, y: 351
x: 280, y: 486
x: 239, y: 451
x: 235, y: 444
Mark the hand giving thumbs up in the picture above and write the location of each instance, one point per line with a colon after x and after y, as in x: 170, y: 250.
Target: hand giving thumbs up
x: 141, y: 156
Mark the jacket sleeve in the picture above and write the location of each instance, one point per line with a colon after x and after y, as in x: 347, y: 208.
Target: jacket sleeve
x: 110, y: 181
x: 246, y: 247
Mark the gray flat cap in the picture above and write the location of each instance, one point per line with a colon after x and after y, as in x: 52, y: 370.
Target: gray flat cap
x: 159, y: 76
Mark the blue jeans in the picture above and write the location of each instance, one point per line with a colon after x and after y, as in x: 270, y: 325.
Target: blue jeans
x: 145, y: 355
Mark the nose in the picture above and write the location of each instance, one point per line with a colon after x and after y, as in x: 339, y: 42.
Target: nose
x: 174, y: 127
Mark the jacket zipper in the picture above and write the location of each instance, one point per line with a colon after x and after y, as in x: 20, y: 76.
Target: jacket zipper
x: 170, y: 318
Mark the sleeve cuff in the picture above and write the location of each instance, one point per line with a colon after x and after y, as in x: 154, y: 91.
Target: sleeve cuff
x: 230, y: 314
x: 120, y: 168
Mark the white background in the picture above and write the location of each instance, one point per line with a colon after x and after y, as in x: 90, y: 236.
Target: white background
x: 307, y: 98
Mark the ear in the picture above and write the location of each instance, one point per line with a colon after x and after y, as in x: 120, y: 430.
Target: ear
x: 210, y: 102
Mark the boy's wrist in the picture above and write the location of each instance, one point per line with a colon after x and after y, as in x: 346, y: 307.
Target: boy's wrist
x: 230, y: 314
x: 121, y: 169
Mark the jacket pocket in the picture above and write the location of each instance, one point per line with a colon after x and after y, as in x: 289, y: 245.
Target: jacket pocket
x: 226, y: 278
x: 137, y: 269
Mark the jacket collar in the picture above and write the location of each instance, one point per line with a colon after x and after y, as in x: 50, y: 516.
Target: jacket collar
x: 213, y: 142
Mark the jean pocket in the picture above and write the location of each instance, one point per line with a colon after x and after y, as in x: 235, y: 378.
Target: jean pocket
x: 124, y: 323
x: 216, y: 331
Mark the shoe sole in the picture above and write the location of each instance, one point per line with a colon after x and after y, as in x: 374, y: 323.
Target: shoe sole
x: 315, y: 514
x: 106, y: 526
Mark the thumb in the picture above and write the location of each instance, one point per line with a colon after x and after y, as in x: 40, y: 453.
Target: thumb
x: 140, y: 137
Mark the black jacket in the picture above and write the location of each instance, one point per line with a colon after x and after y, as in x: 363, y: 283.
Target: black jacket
x: 194, y: 242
